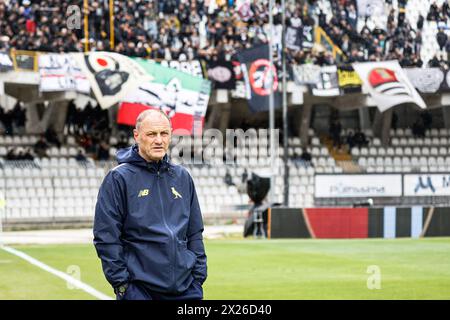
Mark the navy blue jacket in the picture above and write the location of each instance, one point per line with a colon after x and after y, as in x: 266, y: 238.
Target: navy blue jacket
x: 148, y: 225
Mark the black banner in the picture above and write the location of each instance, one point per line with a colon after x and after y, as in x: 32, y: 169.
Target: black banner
x: 222, y: 74
x: 258, y: 72
x: 294, y: 38
x: 445, y: 85
x: 307, y: 36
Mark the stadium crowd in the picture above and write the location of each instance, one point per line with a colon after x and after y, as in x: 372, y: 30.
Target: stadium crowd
x: 186, y: 30
x: 202, y: 29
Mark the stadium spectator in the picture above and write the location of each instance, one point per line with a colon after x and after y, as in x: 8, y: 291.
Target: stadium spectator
x: 446, y: 9
x: 244, y: 176
x: 434, y: 62
x: 52, y: 138
x: 103, y: 151
x: 420, y: 21
x: 305, y: 156
x: 350, y: 140
x: 2, y: 115
x: 40, y: 147
x: 228, y: 179
x: 441, y: 38
x: 418, y: 129
x: 447, y: 50
x: 394, y: 122
x: 86, y: 141
x: 71, y: 117
x: 7, y: 120
x: 86, y: 118
x: 80, y: 157
x: 28, y: 155
x: 122, y: 141
x: 360, y: 139
x: 16, y: 119
x: 20, y: 155
x: 11, y: 154
x: 335, y: 132
x: 433, y: 12
x: 426, y: 119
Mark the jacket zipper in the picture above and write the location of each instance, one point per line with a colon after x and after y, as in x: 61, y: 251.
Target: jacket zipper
x: 170, y: 231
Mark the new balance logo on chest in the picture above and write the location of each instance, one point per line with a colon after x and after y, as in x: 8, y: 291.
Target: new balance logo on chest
x: 143, y: 193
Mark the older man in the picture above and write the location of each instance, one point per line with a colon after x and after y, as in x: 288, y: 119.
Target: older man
x: 148, y: 225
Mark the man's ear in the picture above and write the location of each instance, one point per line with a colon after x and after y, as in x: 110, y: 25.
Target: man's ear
x: 135, y: 134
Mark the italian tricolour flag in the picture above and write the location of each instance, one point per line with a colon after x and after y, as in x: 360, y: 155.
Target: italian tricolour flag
x: 182, y: 96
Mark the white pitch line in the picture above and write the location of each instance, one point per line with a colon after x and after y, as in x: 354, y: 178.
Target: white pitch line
x: 77, y: 283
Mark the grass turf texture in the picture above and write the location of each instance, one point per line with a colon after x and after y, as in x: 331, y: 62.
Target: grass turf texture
x: 261, y: 269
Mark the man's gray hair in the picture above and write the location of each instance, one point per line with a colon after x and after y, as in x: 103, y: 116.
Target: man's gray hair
x: 146, y: 113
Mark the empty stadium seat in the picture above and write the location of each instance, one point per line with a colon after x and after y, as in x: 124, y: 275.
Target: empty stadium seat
x: 390, y: 151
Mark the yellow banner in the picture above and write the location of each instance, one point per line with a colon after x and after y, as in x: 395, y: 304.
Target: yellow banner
x: 348, y: 78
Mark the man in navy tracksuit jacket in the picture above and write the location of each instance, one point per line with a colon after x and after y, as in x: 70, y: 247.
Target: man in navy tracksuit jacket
x: 148, y: 225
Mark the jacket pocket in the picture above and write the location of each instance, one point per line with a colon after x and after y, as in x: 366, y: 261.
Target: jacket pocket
x: 186, y: 257
x: 149, y: 262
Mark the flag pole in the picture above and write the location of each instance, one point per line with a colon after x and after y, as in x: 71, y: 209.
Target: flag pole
x: 111, y: 24
x: 86, y: 25
x: 271, y: 107
x: 285, y: 113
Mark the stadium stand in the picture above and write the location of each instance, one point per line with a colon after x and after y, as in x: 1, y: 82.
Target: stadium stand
x: 63, y: 181
x: 67, y: 187
x: 406, y: 153
x: 202, y: 29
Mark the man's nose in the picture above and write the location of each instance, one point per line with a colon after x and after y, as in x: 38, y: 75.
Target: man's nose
x: 158, y: 138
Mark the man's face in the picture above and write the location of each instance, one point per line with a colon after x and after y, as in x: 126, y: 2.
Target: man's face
x: 153, y: 137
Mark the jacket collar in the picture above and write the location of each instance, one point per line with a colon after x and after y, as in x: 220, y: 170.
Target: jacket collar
x: 131, y: 155
x: 159, y: 166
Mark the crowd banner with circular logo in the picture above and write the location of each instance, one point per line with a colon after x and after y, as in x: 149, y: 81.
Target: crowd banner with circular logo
x: 222, y: 74
x: 426, y: 80
x: 260, y: 78
x: 111, y: 75
x: 388, y: 84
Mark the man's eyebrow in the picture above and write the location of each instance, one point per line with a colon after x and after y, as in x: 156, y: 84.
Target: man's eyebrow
x: 156, y: 131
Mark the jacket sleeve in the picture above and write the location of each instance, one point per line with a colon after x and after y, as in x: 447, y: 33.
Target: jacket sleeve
x: 195, y: 238
x: 108, y: 222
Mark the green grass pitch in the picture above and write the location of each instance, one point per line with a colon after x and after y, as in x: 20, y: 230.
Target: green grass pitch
x: 261, y: 269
